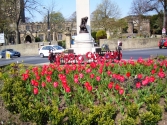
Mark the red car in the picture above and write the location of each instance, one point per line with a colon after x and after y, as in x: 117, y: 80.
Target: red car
x: 162, y: 43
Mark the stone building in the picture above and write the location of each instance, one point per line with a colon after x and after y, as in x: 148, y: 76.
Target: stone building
x: 141, y: 27
x: 29, y: 32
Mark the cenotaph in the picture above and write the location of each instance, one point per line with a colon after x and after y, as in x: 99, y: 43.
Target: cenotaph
x: 83, y: 41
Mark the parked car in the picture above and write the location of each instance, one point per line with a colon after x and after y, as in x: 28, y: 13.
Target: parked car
x: 162, y: 43
x: 11, y: 52
x: 44, y: 50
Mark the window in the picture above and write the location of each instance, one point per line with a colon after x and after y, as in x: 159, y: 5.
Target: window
x: 27, y: 27
x: 59, y: 36
x: 38, y: 27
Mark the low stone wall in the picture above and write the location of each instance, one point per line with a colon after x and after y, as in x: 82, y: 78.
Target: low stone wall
x: 131, y: 43
x: 28, y: 48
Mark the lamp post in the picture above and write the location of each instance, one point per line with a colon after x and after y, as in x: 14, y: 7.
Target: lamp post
x: 48, y: 26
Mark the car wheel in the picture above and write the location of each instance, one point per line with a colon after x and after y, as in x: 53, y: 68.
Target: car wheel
x: 160, y: 47
x: 18, y: 55
x: 42, y: 55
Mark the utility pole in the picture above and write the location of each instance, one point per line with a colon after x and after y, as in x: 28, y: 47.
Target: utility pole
x: 48, y: 26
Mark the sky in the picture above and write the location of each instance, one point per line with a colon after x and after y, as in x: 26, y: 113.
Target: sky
x: 68, y: 7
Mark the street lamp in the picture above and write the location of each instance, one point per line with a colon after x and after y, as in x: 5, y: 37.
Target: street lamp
x: 48, y: 23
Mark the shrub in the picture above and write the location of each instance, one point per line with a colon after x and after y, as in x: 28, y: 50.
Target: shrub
x: 148, y: 118
x: 62, y: 43
x: 128, y: 121
x: 133, y: 110
x: 155, y: 109
x: 101, y: 34
x: 152, y: 99
x: 37, y: 39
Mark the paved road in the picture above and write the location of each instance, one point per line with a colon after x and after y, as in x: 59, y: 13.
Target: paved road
x: 144, y: 53
x: 127, y: 54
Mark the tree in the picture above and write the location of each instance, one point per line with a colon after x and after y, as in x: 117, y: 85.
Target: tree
x: 14, y: 10
x: 138, y: 10
x: 56, y: 19
x: 143, y: 6
x: 156, y: 23
x: 73, y: 17
x: 105, y: 12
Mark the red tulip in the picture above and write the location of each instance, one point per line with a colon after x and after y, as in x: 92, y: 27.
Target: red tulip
x: 86, y: 84
x: 161, y: 74
x: 98, y: 78
x: 35, y: 91
x: 93, y: 65
x: 121, y: 78
x: 43, y: 84
x: 92, y: 76
x: 55, y: 84
x: 110, y: 85
x: 67, y: 89
x: 37, y: 77
x: 76, y: 76
x: 128, y: 74
x: 121, y: 91
x: 108, y: 73
x: 76, y: 80
x: 88, y: 70
x: 64, y: 81
x: 34, y: 83
x: 152, y: 79
x: 145, y: 82
x: 89, y: 88
x: 100, y: 71
x: 48, y: 78
x: 138, y: 85
x: 139, y: 76
x: 25, y: 76
x: 117, y: 87
x: 152, y: 71
x: 81, y: 75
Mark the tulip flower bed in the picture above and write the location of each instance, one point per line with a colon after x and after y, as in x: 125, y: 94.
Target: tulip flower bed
x: 124, y: 92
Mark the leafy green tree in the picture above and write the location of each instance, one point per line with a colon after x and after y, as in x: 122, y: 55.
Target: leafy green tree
x: 106, y: 12
x: 93, y: 34
x: 156, y: 23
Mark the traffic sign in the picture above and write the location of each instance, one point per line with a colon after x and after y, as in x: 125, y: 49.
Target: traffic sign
x: 163, y: 31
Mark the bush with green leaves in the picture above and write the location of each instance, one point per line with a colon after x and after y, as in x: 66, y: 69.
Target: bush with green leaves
x: 133, y: 110
x: 101, y: 34
x: 148, y: 118
x: 128, y: 121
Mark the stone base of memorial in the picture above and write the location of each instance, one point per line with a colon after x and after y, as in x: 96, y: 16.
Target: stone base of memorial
x: 83, y: 44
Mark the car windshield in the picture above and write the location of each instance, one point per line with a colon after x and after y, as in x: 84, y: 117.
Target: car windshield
x: 163, y: 40
x: 58, y: 47
x: 9, y: 50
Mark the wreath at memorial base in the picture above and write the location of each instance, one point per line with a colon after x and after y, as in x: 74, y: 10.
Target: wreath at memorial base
x: 66, y: 58
x: 95, y: 56
x: 71, y: 56
x: 89, y: 55
x: 80, y: 59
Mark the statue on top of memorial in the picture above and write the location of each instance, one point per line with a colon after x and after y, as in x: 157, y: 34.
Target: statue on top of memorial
x: 83, y: 28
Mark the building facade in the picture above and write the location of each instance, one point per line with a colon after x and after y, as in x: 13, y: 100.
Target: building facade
x: 30, y: 32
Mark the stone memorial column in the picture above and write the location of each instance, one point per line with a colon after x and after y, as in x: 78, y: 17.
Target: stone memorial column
x: 83, y: 10
x: 83, y: 41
